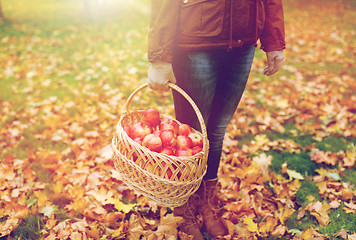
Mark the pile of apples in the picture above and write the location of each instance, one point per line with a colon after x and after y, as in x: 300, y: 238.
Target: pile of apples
x: 165, y: 135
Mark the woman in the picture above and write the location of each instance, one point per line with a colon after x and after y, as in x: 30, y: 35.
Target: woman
x: 207, y: 47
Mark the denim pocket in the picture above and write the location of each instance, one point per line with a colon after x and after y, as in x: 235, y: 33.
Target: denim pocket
x: 201, y: 18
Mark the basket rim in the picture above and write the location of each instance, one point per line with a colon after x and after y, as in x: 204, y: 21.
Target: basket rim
x: 175, y: 158
x: 191, y: 102
x: 168, y: 181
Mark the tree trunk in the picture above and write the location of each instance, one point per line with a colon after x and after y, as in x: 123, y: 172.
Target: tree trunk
x: 1, y: 13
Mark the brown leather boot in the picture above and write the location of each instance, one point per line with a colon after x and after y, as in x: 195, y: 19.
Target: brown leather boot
x: 212, y: 223
x: 192, y: 224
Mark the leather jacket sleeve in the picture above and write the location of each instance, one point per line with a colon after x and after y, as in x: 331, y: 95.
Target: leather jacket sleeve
x: 162, y: 31
x: 273, y: 35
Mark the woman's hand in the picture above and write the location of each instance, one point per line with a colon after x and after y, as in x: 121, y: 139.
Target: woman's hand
x: 159, y: 75
x: 274, y: 62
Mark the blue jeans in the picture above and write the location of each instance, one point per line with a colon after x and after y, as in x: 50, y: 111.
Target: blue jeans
x: 215, y: 80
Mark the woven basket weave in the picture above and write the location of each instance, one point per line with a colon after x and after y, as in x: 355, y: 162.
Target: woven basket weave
x: 167, y: 180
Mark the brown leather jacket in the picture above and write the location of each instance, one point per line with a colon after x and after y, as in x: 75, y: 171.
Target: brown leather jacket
x: 208, y: 24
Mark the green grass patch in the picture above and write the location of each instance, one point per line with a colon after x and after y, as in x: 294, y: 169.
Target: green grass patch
x: 349, y: 175
x: 339, y: 219
x: 302, y: 224
x: 307, y: 190
x: 245, y: 139
x: 43, y: 174
x: 8, y: 93
x: 299, y: 162
x: 291, y: 132
x: 29, y: 228
x: 333, y: 144
x: 28, y: 142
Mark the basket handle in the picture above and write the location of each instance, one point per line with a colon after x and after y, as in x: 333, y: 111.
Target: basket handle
x: 192, y: 103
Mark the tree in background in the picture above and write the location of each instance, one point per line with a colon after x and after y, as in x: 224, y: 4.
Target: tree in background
x: 1, y: 13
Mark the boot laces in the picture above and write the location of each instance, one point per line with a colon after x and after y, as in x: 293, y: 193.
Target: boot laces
x: 189, y: 211
x: 209, y: 193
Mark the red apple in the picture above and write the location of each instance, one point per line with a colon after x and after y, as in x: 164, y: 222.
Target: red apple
x: 140, y: 130
x: 167, y: 151
x: 169, y: 124
x: 168, y: 138
x: 184, y: 129
x: 196, y: 149
x: 184, y: 141
x: 138, y: 140
x: 152, y: 142
x: 152, y: 117
x: 127, y: 129
x: 183, y: 151
x: 157, y: 132
x: 197, y: 139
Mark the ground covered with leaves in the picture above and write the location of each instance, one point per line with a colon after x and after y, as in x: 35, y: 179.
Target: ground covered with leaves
x: 288, y: 166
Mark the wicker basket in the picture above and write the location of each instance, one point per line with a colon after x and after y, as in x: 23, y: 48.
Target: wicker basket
x: 167, y: 180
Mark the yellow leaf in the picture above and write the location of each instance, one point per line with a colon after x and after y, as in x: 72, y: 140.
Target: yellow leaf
x: 288, y: 211
x: 261, y: 139
x: 251, y: 225
x: 268, y: 225
x: 41, y: 198
x: 118, y: 231
x: 349, y: 160
x: 307, y: 234
x: 58, y: 187
x: 282, y: 103
x: 79, y: 204
x: 119, y: 205
x: 310, y: 198
x: 294, y: 174
x: 295, y: 185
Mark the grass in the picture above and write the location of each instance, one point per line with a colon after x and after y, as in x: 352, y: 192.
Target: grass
x: 89, y: 52
x: 30, y: 228
x: 308, y: 190
x: 350, y: 177
x: 299, y: 162
x: 339, y: 219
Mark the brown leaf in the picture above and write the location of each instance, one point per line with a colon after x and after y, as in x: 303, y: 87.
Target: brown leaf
x: 279, y: 231
x: 168, y: 227
x: 352, y: 237
x: 268, y: 225
x: 346, y: 194
x: 319, y: 211
x: 350, y: 158
x: 342, y: 233
x: 8, y: 226
x: 351, y: 205
x: 350, y: 208
x: 301, y: 213
x: 335, y: 204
